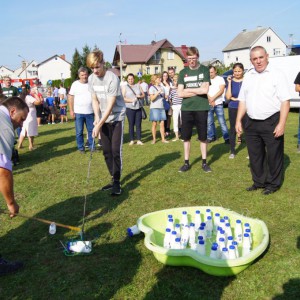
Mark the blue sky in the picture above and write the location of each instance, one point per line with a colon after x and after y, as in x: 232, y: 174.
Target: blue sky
x: 40, y: 29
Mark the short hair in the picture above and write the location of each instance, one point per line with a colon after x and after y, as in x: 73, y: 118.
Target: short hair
x: 192, y: 51
x: 238, y: 65
x: 130, y: 74
x: 16, y: 102
x: 83, y: 70
x: 258, y: 48
x: 212, y: 67
x: 94, y: 58
x: 6, y: 77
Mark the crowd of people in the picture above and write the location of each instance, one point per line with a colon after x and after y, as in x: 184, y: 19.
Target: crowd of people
x: 258, y: 107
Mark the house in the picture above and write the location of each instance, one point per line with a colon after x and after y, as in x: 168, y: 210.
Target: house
x: 27, y: 71
x: 213, y: 62
x: 238, y: 50
x: 4, y: 71
x: 149, y: 59
x: 55, y: 67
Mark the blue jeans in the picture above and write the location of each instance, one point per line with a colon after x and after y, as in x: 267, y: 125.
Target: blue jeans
x: 211, y: 128
x: 134, y: 120
x: 88, y: 120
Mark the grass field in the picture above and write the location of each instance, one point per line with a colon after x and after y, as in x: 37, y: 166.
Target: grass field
x: 51, y: 183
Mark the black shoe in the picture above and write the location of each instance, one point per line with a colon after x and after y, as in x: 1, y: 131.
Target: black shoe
x: 227, y: 142
x: 253, y: 187
x: 99, y: 143
x: 7, y: 267
x: 184, y: 168
x: 87, y: 145
x: 267, y: 191
x: 211, y: 140
x: 206, y: 168
x: 116, y: 189
x: 107, y: 187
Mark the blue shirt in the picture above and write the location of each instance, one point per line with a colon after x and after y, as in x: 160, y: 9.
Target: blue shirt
x: 50, y: 101
x: 235, y: 89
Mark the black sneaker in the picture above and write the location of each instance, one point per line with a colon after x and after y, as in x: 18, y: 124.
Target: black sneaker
x: 7, y: 267
x: 227, y: 142
x: 184, y: 168
x: 107, y: 187
x: 99, y: 143
x: 87, y: 144
x: 206, y: 168
x: 116, y: 189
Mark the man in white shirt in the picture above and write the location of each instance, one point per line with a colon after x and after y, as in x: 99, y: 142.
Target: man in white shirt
x: 264, y: 96
x: 81, y: 108
x: 144, y: 86
x: 215, y: 97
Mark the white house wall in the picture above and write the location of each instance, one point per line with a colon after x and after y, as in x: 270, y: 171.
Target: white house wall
x: 241, y: 56
x: 53, y: 69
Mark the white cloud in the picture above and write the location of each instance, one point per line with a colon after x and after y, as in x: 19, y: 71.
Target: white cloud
x: 110, y: 14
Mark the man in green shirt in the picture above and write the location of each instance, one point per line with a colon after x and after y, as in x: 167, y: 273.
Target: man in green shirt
x: 8, y: 89
x: 193, y: 84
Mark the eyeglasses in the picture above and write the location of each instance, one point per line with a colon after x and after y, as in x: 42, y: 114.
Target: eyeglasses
x: 192, y: 58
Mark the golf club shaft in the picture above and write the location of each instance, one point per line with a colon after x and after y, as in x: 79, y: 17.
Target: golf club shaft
x: 44, y: 221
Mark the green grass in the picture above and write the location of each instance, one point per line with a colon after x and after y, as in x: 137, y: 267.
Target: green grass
x: 51, y: 183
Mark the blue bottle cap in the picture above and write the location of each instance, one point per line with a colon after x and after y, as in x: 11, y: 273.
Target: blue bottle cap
x: 246, y: 235
x: 200, y: 237
x: 215, y: 245
x: 207, y: 210
x: 170, y: 216
x: 203, y: 224
x: 214, y: 248
x: 177, y: 240
x: 231, y: 247
x: 248, y: 230
x: 174, y: 232
x: 192, y: 224
x: 201, y: 242
x: 168, y: 230
x: 247, y: 225
x: 197, y: 211
x: 184, y: 212
x: 235, y: 243
x: 230, y: 238
x: 224, y: 249
x: 209, y: 218
x: 227, y: 224
x: 217, y: 214
x: 177, y: 225
x: 222, y: 221
x: 238, y: 221
x: 221, y: 239
x: 225, y: 218
x: 201, y: 228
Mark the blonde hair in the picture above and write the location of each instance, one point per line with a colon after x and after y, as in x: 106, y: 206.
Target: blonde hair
x: 94, y: 58
x: 154, y: 77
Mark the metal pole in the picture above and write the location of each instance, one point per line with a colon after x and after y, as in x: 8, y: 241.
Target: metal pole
x: 25, y: 65
x: 120, y: 51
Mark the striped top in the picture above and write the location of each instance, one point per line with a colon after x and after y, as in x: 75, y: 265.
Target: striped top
x: 173, y: 96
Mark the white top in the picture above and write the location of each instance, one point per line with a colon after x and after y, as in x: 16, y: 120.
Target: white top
x: 63, y: 91
x: 144, y: 86
x: 82, y: 98
x: 30, y: 125
x: 214, y: 88
x: 264, y: 92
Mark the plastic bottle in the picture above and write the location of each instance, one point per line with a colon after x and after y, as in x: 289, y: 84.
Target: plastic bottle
x: 170, y: 223
x: 192, y: 235
x: 226, y: 218
x: 185, y: 236
x: 52, y: 228
x: 201, y: 247
x: 248, y: 230
x: 197, y: 219
x: 222, y: 224
x: 184, y: 218
x: 133, y: 230
x: 225, y: 254
x: 209, y: 227
x: 231, y: 252
x: 246, y: 244
x: 228, y: 231
x: 229, y: 241
x: 201, y: 232
x: 238, y: 231
x: 216, y: 222
x: 167, y: 239
x: 177, y: 244
x: 80, y: 246
x: 236, y: 245
x: 221, y: 245
x: 173, y: 239
x: 207, y: 213
x: 214, y: 252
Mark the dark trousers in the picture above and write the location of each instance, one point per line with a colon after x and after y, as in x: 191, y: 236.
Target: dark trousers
x: 266, y: 153
x: 134, y: 117
x: 112, y: 141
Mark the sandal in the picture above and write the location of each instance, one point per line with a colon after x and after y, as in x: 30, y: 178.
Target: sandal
x: 239, y: 140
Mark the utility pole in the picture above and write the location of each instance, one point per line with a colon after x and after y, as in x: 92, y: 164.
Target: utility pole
x: 120, y: 51
x: 25, y: 64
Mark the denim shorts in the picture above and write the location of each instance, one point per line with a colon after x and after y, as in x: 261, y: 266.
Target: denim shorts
x: 157, y: 114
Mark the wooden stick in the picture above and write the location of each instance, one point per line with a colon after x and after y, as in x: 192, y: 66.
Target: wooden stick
x: 43, y: 221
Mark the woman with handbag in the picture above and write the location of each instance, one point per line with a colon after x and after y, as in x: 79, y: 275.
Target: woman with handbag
x: 166, y: 82
x: 132, y: 93
x: 157, y: 111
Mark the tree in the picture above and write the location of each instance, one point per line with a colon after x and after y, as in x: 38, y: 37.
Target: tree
x: 76, y: 64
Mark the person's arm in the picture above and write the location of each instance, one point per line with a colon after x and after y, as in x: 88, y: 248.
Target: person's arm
x: 240, y: 114
x: 155, y: 95
x: 126, y: 99
x: 297, y: 88
x: 213, y: 98
x: 6, y: 189
x: 284, y: 111
x: 110, y: 104
x: 71, y: 105
x: 142, y: 95
x: 190, y: 92
x: 96, y: 108
x: 228, y: 94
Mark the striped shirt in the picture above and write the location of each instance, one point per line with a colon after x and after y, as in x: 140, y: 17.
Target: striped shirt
x: 176, y: 100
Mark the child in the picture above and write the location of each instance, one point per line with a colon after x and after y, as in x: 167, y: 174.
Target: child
x: 50, y: 104
x: 63, y: 108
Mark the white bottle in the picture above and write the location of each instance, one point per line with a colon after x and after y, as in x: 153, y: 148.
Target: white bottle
x: 207, y: 213
x: 228, y: 231
x: 192, y: 235
x: 222, y: 224
x: 231, y: 252
x: 177, y: 244
x: 209, y: 227
x: 197, y: 219
x: 185, y: 236
x: 173, y: 239
x: 221, y: 245
x: 167, y: 239
x: 178, y: 230
x: 248, y: 230
x: 216, y: 222
x: 225, y: 254
x: 52, y: 228
x: 236, y: 245
x: 214, y: 252
x: 201, y: 248
x: 184, y: 218
x: 229, y: 241
x: 246, y: 244
x: 238, y: 231
x: 170, y: 223
x: 202, y: 232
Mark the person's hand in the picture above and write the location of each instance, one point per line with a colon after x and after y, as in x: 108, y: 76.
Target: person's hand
x: 13, y: 209
x: 278, y: 131
x: 72, y: 114
x: 96, y: 131
x: 229, y: 78
x: 238, y: 127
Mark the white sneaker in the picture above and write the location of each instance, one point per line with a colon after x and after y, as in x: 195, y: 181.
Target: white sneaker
x: 131, y: 143
x: 231, y: 156
x: 139, y: 143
